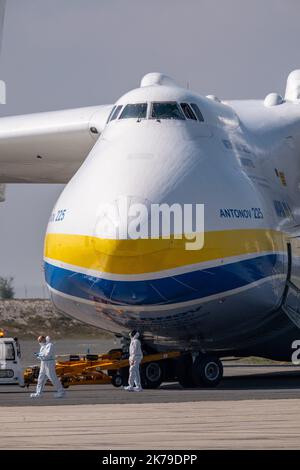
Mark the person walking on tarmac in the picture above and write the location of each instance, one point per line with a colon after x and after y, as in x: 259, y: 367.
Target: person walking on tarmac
x: 47, y: 369
x: 135, y: 358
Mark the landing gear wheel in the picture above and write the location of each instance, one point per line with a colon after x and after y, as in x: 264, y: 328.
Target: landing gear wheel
x: 207, y: 371
x: 183, y: 370
x: 117, y: 380
x: 152, y: 375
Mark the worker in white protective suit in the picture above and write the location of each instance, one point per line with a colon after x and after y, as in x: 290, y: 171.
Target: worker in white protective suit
x: 135, y: 358
x: 47, y: 369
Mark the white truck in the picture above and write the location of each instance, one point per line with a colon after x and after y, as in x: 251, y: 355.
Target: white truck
x: 11, y: 370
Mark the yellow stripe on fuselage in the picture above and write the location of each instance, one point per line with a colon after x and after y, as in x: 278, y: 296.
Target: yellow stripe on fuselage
x: 154, y: 255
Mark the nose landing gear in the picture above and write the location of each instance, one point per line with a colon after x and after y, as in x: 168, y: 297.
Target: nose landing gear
x: 204, y: 370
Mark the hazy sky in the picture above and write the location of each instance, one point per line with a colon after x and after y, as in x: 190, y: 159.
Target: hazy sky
x: 68, y: 53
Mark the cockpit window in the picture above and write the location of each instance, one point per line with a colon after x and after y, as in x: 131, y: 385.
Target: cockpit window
x: 197, y: 112
x: 137, y: 111
x: 166, y: 110
x: 110, y: 114
x: 188, y: 112
x: 116, y: 112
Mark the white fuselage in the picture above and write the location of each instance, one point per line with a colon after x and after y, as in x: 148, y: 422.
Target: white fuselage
x: 242, y: 163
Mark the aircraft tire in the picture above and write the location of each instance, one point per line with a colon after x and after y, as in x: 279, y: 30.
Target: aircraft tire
x: 152, y: 374
x: 117, y: 380
x: 207, y: 371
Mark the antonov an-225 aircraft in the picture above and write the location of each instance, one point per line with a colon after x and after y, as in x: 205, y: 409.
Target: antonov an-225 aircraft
x: 163, y: 144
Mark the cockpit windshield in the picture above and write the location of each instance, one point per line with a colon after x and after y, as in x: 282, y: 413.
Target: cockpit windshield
x: 157, y: 110
x: 197, y: 112
x: 188, y: 112
x: 110, y: 114
x: 116, y: 112
x: 166, y: 110
x: 137, y: 111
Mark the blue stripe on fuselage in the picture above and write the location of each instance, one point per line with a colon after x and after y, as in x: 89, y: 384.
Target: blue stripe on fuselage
x: 176, y: 288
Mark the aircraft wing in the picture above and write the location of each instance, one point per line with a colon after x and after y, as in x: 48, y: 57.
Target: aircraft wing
x: 48, y: 147
x: 2, y: 14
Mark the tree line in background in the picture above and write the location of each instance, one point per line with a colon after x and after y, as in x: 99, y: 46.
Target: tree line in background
x: 6, y: 288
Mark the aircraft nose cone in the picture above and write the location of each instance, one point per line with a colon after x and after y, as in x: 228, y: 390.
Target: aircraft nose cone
x: 105, y: 253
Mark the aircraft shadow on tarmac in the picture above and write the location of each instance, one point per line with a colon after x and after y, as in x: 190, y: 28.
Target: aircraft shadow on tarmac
x: 260, y: 381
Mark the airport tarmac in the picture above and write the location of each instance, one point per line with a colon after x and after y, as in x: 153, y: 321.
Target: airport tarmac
x: 255, y: 407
